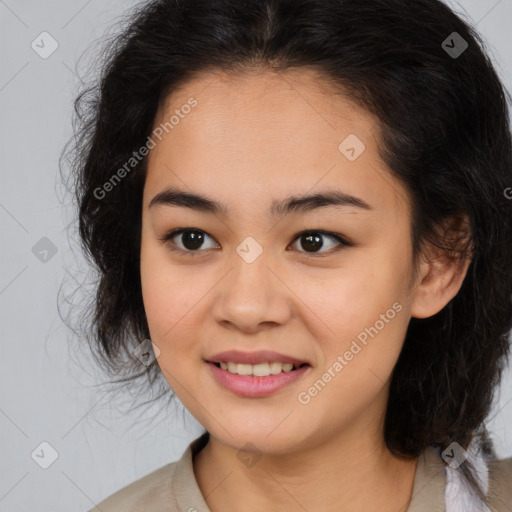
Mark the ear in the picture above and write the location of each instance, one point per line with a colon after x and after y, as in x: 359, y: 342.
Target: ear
x: 442, y: 271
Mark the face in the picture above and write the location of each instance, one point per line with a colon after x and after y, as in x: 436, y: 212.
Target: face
x: 244, y: 278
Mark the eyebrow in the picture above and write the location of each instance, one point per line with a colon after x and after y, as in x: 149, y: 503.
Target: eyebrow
x: 294, y: 204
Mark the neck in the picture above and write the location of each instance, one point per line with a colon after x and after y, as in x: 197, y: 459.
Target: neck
x: 347, y: 473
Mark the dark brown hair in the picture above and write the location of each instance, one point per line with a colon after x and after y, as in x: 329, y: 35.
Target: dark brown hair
x: 445, y: 134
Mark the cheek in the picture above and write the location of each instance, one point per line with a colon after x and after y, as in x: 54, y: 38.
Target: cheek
x: 168, y: 293
x: 354, y: 297
x: 367, y: 312
x: 357, y: 362
x: 169, y: 301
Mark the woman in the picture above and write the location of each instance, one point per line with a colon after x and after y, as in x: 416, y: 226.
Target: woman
x: 299, y: 214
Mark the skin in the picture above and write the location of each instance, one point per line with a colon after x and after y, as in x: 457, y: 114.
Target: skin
x: 251, y: 139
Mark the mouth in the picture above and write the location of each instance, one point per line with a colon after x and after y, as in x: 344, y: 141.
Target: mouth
x: 264, y: 369
x: 256, y: 374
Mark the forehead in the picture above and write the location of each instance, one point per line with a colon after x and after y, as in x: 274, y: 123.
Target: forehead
x: 300, y: 100
x: 290, y: 130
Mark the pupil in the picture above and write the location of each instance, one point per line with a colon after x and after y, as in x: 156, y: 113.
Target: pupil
x: 192, y: 239
x: 312, y: 242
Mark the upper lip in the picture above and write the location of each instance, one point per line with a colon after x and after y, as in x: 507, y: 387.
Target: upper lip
x: 260, y: 356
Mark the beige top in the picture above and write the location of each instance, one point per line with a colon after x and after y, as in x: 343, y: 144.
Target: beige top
x: 174, y: 488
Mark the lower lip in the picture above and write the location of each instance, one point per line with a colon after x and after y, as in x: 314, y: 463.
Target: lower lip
x: 247, y: 385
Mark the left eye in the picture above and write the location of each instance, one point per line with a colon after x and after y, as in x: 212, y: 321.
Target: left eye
x: 312, y: 241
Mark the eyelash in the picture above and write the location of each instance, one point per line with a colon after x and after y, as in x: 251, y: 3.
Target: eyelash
x: 167, y: 238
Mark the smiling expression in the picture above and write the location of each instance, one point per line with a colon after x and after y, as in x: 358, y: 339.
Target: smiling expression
x: 260, y: 160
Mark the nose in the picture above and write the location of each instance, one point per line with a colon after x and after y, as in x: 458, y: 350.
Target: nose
x: 252, y: 296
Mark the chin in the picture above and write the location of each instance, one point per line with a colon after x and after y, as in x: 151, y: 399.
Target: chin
x: 258, y: 437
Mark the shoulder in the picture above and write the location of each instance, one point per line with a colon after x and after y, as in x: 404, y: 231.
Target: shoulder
x: 500, y: 485
x: 171, y: 488
x: 153, y: 489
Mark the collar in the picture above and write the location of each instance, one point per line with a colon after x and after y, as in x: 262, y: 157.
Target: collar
x: 429, y: 483
x: 427, y: 494
x: 185, y: 486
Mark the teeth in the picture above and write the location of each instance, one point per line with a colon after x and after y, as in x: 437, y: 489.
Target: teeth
x: 258, y: 370
x: 261, y: 370
x: 275, y: 368
x: 244, y: 369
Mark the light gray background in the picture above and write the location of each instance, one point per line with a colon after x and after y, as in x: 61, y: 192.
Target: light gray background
x: 48, y: 390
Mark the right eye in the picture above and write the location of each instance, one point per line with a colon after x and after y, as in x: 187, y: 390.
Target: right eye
x: 191, y: 240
